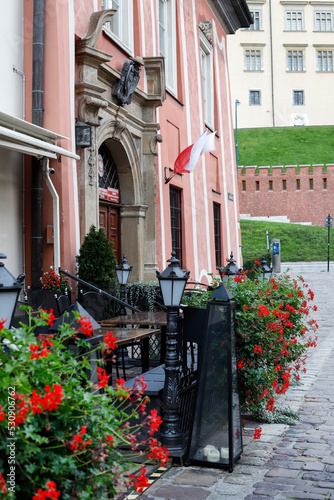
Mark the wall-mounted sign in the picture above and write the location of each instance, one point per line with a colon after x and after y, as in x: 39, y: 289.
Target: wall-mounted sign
x: 100, y: 166
x: 230, y: 196
x: 109, y: 194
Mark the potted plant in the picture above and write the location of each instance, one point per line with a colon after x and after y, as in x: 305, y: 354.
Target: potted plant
x: 53, y: 286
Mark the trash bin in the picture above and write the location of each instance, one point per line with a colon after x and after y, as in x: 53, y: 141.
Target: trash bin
x: 276, y: 255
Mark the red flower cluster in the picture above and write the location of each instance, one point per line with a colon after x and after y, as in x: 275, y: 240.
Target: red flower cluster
x: 155, y: 421
x: 78, y: 440
x: 158, y: 453
x: 141, y: 482
x: 110, y: 341
x: 44, y: 352
x: 257, y: 433
x: 36, y: 403
x: 263, y: 311
x: 103, y: 377
x: 53, y: 281
x: 2, y: 324
x: 50, y: 493
x: 2, y: 484
x: 86, y: 326
x: 50, y: 317
x: 257, y: 348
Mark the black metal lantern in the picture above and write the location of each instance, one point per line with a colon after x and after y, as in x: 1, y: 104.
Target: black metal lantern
x: 123, y: 271
x: 266, y: 271
x: 230, y: 270
x: 83, y: 135
x: 172, y: 282
x: 216, y: 435
x: 9, y: 293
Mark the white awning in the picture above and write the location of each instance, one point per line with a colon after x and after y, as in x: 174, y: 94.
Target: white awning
x: 22, y: 136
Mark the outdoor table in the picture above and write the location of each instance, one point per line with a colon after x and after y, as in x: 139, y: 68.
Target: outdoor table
x: 126, y: 336
x: 145, y: 318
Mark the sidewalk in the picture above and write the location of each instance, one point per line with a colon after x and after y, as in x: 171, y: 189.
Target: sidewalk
x: 294, y: 462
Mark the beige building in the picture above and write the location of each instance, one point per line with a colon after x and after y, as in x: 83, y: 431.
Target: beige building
x: 281, y: 69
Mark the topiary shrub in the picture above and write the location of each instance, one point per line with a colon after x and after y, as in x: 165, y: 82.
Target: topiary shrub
x: 96, y: 260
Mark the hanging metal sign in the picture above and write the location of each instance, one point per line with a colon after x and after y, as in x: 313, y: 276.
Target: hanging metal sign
x: 109, y: 194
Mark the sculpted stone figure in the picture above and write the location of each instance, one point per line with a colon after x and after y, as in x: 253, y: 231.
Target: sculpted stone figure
x: 130, y: 76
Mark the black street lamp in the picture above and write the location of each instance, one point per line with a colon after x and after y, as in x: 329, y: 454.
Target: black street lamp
x: 172, y: 283
x: 266, y: 271
x: 230, y: 270
x: 9, y: 293
x: 123, y: 272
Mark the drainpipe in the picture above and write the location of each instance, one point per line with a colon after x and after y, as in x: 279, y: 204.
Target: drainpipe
x: 23, y: 76
x: 36, y: 171
x: 55, y: 212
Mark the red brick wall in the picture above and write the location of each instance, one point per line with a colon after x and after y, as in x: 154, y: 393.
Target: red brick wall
x: 299, y: 205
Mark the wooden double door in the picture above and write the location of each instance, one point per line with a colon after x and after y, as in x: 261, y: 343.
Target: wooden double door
x: 109, y: 219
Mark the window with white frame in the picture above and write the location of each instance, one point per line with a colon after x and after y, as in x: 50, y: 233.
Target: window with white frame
x: 121, y: 25
x: 293, y: 20
x: 167, y: 41
x: 255, y: 97
x: 253, y: 60
x: 325, y: 60
x: 298, y: 98
x: 256, y: 15
x: 295, y: 60
x: 207, y: 80
x: 323, y: 21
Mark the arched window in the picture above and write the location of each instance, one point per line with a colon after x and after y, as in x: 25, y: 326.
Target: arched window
x: 107, y: 170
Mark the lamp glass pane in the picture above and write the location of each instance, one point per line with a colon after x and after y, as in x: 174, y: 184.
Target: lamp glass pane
x: 166, y: 291
x: 8, y: 299
x: 178, y: 287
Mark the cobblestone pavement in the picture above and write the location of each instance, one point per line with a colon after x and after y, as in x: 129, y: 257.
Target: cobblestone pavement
x: 288, y: 462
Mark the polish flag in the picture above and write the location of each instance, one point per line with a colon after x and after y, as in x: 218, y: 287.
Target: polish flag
x: 186, y: 161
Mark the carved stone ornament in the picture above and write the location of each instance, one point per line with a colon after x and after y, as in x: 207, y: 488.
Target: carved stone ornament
x: 91, y: 167
x: 206, y: 28
x: 96, y: 22
x: 89, y: 108
x: 119, y: 128
x: 153, y: 143
x: 130, y: 76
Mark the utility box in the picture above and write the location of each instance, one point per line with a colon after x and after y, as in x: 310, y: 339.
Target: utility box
x: 276, y: 255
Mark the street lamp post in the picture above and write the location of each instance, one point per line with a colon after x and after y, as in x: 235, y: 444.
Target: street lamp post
x: 266, y: 271
x: 230, y: 270
x: 237, y: 102
x: 123, y: 271
x: 172, y: 282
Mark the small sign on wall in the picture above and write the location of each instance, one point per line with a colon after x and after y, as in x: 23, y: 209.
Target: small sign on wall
x: 109, y: 194
x: 230, y: 196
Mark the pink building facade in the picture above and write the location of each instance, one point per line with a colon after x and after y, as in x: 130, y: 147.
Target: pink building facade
x: 171, y: 59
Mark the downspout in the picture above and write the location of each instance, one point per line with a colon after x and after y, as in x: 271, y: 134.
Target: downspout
x: 272, y: 64
x: 36, y: 170
x: 23, y: 76
x: 55, y: 212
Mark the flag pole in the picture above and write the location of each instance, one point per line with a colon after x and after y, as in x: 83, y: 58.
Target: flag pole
x: 167, y: 179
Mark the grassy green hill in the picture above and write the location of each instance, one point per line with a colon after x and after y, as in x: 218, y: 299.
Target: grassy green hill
x: 298, y: 243
x: 286, y: 146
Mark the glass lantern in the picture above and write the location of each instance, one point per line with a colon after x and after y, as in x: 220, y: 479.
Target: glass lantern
x: 216, y: 434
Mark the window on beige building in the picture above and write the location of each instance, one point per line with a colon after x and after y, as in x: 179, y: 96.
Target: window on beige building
x: 255, y: 97
x: 323, y: 21
x: 256, y: 15
x: 298, y: 98
x: 121, y: 26
x: 253, y: 60
x: 325, y: 60
x: 293, y: 20
x: 295, y: 60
